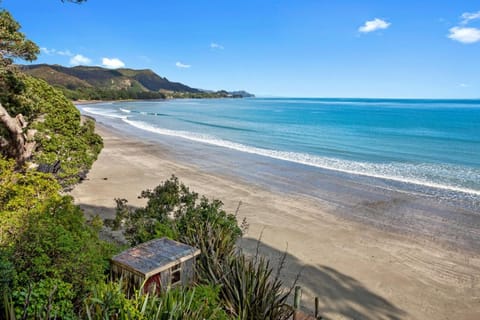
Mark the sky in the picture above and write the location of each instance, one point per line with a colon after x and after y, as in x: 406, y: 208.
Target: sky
x: 285, y: 48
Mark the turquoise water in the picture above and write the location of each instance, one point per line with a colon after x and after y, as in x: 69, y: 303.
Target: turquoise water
x: 432, y: 143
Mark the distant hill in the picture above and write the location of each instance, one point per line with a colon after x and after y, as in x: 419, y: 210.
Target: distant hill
x: 97, y: 83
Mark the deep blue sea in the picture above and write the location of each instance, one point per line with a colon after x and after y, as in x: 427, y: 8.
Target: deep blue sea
x: 434, y: 143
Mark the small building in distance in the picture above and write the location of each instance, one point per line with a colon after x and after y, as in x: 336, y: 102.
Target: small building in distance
x: 160, y: 263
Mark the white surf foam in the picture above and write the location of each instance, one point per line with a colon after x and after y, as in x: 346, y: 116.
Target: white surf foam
x: 399, y: 172
x: 111, y: 113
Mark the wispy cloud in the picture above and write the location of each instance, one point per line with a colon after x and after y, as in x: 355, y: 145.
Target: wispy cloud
x: 47, y: 51
x: 464, y: 35
x: 464, y: 85
x: 112, y: 63
x: 67, y: 53
x: 469, y: 16
x: 182, y: 65
x: 79, y: 59
x: 374, y: 25
x: 214, y: 45
x: 53, y: 51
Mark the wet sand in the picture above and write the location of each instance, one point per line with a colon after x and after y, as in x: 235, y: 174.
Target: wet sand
x: 361, y: 266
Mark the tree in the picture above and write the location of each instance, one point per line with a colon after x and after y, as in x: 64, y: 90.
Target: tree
x: 37, y: 122
x: 17, y: 143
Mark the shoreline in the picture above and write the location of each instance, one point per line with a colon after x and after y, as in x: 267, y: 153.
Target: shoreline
x: 395, y: 276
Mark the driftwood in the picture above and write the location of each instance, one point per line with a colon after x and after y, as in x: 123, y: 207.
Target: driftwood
x: 19, y: 145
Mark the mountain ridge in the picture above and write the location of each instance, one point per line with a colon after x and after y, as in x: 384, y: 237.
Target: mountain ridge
x: 98, y: 83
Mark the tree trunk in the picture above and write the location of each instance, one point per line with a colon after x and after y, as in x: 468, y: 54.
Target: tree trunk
x: 18, y: 145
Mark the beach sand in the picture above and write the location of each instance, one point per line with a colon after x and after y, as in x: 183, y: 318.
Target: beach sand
x: 357, y: 271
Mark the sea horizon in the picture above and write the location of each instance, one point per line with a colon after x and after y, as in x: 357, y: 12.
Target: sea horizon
x: 267, y: 96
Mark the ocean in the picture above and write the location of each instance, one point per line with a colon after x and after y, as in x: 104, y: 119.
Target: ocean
x: 427, y: 147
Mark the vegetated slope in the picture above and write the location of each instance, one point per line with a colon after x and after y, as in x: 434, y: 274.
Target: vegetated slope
x: 154, y: 82
x: 55, y: 125
x: 97, y: 83
x: 57, y: 78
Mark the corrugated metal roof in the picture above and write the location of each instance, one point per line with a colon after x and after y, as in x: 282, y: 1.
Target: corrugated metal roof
x: 154, y: 254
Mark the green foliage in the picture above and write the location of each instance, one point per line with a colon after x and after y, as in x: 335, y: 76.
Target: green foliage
x: 46, y: 247
x: 46, y: 299
x: 7, y: 272
x: 199, y: 95
x: 249, y: 290
x: 13, y: 44
x: 20, y: 194
x: 61, y: 135
x: 98, y: 93
x: 108, y: 301
x: 57, y: 243
x: 172, y: 208
x: 24, y: 191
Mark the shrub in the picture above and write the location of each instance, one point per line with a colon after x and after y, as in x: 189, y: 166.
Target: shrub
x: 46, y: 299
x: 108, y: 301
x: 250, y: 290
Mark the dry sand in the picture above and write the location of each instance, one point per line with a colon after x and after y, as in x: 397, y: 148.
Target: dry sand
x: 359, y: 272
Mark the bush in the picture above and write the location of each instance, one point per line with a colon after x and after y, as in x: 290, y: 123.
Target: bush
x: 57, y: 243
x: 46, y: 299
x: 45, y: 243
x: 108, y: 301
x: 176, y: 212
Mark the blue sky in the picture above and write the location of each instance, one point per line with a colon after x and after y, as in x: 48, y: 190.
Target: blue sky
x: 309, y: 48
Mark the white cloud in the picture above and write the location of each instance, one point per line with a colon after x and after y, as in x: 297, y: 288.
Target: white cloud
x: 373, y: 25
x: 78, y: 59
x: 469, y: 16
x: 113, y: 63
x: 464, y: 35
x: 182, y: 65
x: 214, y: 45
x: 463, y: 85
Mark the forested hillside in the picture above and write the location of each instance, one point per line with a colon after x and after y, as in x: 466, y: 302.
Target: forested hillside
x: 96, y: 83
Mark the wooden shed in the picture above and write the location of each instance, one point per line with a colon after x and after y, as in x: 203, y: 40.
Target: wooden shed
x: 158, y: 264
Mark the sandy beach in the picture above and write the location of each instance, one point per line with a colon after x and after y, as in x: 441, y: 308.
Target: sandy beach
x: 358, y: 271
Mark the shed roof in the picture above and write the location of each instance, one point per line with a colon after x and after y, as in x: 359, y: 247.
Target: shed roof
x: 155, y: 256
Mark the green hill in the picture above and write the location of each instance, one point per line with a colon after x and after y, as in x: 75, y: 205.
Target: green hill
x: 97, y: 83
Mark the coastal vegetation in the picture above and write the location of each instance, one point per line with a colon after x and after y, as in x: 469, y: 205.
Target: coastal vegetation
x: 249, y: 287
x: 53, y: 263
x: 50, y: 256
